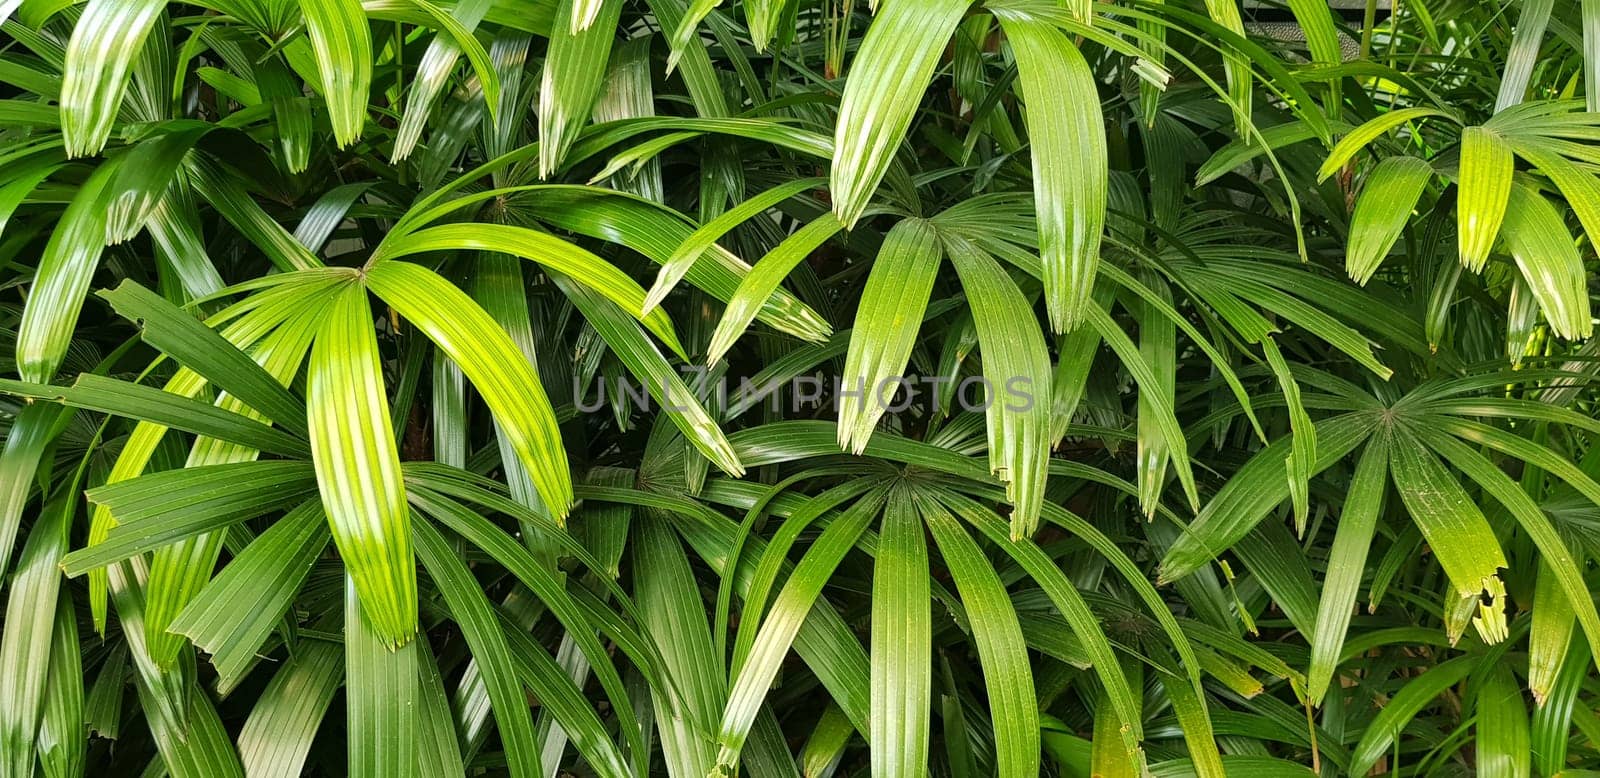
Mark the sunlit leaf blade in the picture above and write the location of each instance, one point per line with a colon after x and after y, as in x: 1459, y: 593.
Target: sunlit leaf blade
x: 1198, y: 732
x: 1456, y: 529
x: 144, y: 177
x: 1322, y: 36
x: 1522, y: 319
x: 1537, y: 237
x: 358, y: 468
x: 1485, y: 186
x: 155, y: 509
x: 1549, y: 635
x: 178, y: 334
x: 763, y: 280
x: 1590, y: 10
x: 1016, y: 370
x: 826, y: 745
x: 881, y: 95
x: 342, y: 44
x: 1241, y: 151
x: 569, y: 86
x: 56, y: 298
x: 25, y: 645
x: 492, y: 362
x: 30, y: 433
x: 178, y: 572
x: 175, y: 233
x: 545, y: 249
x: 1522, y: 57
x: 434, y: 70
x: 147, y: 403
x: 292, y: 111
x: 499, y: 286
x: 764, y: 17
x: 1237, y: 64
x: 1363, y: 135
x: 1533, y: 521
x: 1067, y: 135
x: 887, y: 322
x: 326, y: 214
x: 667, y: 594
x: 695, y: 246
x: 208, y: 353
x: 628, y: 93
x: 105, y: 42
x: 1108, y: 758
x: 1382, y: 211
x: 687, y: 28
x: 657, y: 234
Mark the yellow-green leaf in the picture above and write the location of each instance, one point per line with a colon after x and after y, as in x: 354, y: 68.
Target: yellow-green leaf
x: 358, y: 466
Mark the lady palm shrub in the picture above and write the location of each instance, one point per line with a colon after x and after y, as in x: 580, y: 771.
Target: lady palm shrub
x: 588, y: 387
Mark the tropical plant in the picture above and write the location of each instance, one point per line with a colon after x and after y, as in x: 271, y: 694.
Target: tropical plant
x: 539, y: 387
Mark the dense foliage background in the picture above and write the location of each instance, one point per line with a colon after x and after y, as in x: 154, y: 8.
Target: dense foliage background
x: 321, y: 457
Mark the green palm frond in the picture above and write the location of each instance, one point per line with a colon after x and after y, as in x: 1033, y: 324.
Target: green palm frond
x: 799, y: 388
